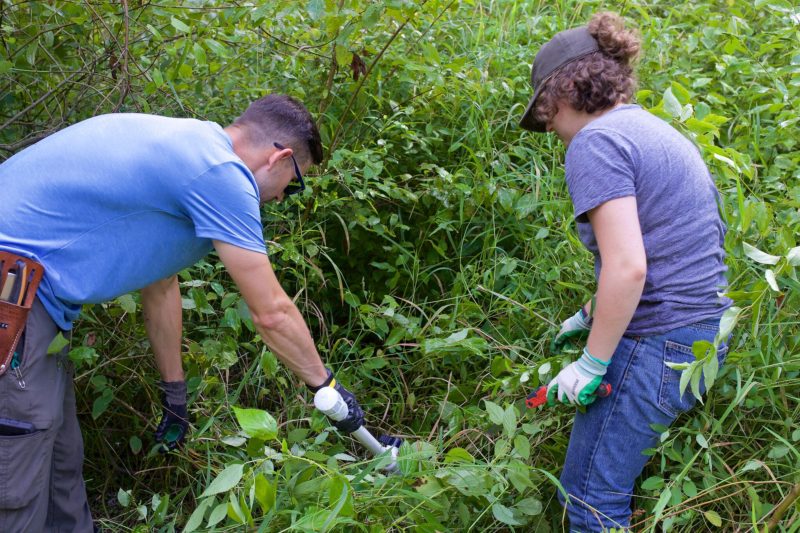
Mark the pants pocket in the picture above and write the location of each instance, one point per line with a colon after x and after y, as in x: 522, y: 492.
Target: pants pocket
x: 670, y: 400
x: 24, y: 468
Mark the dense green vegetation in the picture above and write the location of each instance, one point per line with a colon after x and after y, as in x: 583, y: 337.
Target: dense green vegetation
x: 432, y: 256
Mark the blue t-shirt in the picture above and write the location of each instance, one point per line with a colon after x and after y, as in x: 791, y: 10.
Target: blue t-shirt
x: 630, y: 152
x: 117, y: 202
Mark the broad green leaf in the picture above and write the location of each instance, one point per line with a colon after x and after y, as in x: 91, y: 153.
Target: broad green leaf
x: 758, y: 256
x: 180, y: 26
x: 257, y: 423
x: 510, y: 420
x: 522, y: 446
x: 671, y: 104
x: 713, y: 517
x: 225, y: 481
x: 769, y: 275
x: 218, y: 514
x: 196, y: 518
x: 505, y: 515
x: 265, y: 492
x: 653, y: 483
x: 496, y: 412
x: 529, y: 506
x: 701, y: 440
x: 135, y: 443
x: 727, y: 323
x: 127, y: 303
x: 124, y: 497
x: 5, y: 66
x: 57, y: 344
x: 794, y: 256
x: 456, y: 455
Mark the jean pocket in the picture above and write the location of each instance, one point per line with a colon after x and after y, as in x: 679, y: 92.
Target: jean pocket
x: 670, y: 400
x: 24, y: 468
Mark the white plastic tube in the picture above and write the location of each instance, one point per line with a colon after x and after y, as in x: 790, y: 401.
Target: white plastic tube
x: 331, y: 404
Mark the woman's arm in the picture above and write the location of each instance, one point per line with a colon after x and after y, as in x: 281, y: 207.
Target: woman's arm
x: 622, y: 276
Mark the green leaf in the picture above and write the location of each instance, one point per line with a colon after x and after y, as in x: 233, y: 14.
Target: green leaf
x: 58, y: 343
x: 727, y: 323
x: 316, y: 9
x: 5, y: 66
x: 225, y: 481
x: 127, y: 303
x: 671, y: 104
x: 793, y: 257
x: 701, y: 440
x: 135, y: 443
x: 457, y: 455
x: 505, y: 515
x: 496, y: 412
x: 180, y: 26
x: 510, y: 420
x: 265, y: 492
x: 529, y: 506
x: 758, y: 256
x: 257, y: 423
x: 218, y: 514
x: 522, y: 446
x: 101, y: 403
x: 124, y: 497
x: 196, y: 518
x: 713, y: 517
x: 653, y: 483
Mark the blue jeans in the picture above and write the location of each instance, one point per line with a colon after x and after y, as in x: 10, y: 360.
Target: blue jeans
x: 604, y: 457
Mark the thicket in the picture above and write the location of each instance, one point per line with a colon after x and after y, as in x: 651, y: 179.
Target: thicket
x: 433, y: 254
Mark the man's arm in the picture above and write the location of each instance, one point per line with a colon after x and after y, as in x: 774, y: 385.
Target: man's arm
x: 161, y: 304
x: 275, y: 316
x: 619, y: 237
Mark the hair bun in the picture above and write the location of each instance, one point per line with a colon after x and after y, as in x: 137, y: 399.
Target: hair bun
x: 613, y: 38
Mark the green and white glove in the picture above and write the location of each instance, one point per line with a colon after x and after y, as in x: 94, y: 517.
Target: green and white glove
x: 575, y: 328
x: 577, y: 382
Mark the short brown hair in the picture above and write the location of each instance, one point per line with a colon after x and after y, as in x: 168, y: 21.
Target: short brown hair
x: 601, y: 79
x: 283, y: 119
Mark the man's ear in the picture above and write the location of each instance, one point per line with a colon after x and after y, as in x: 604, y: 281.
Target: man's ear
x: 277, y: 155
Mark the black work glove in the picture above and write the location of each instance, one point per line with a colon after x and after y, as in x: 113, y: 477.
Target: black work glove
x: 355, y: 416
x: 174, y: 425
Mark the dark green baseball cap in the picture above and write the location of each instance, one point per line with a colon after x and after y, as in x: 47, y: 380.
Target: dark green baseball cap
x: 565, y: 47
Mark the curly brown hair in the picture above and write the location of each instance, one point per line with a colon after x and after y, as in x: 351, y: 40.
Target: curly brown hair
x: 599, y: 80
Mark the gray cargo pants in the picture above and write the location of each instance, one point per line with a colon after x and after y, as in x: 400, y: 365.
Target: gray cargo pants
x: 41, y: 473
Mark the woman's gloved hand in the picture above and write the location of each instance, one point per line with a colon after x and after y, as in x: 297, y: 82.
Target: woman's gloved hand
x: 574, y: 329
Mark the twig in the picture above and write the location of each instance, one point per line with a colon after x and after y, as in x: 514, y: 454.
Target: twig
x: 783, y: 506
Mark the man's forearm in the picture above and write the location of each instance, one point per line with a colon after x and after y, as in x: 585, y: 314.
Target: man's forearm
x: 287, y: 335
x: 161, y: 304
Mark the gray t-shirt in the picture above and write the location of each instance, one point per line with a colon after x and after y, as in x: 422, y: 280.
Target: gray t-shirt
x: 629, y: 152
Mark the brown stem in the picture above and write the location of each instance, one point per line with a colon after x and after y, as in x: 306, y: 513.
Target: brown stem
x: 783, y: 506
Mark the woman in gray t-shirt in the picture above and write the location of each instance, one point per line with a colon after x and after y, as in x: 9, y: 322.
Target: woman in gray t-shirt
x: 646, y: 207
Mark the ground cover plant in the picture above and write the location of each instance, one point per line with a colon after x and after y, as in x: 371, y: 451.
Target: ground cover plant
x: 432, y: 254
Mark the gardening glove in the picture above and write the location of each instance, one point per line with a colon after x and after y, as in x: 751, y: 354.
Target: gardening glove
x: 577, y: 383
x: 575, y: 328
x: 174, y: 425
x: 355, y: 416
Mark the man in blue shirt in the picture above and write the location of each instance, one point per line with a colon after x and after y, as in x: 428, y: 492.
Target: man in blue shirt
x: 123, y: 202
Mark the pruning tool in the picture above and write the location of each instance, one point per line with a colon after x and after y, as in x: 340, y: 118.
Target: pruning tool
x: 539, y: 396
x: 331, y: 404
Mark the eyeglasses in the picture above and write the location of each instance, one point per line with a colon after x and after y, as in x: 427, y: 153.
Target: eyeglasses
x: 296, y: 185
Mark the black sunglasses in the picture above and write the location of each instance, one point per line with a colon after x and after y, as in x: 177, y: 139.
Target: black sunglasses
x: 297, y: 185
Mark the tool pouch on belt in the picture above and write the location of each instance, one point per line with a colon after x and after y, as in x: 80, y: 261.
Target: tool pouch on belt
x: 19, y: 279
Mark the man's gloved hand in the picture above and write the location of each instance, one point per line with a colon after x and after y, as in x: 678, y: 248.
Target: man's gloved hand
x: 355, y: 417
x: 577, y: 382
x: 174, y: 425
x: 575, y: 328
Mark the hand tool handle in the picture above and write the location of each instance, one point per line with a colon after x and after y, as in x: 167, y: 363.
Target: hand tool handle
x: 332, y: 405
x: 539, y: 397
